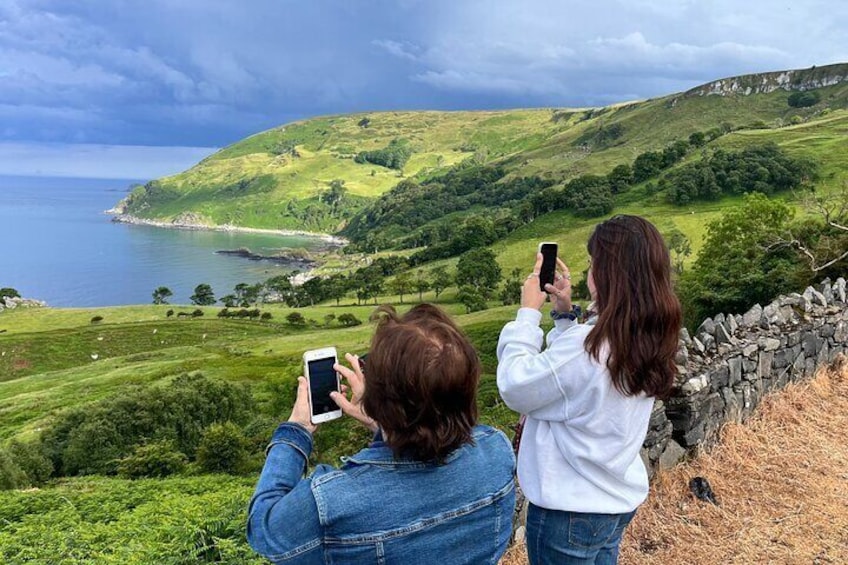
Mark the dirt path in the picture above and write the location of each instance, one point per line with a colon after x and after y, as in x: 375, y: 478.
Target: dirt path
x: 782, y: 482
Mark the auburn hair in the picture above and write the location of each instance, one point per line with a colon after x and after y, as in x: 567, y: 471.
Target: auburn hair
x: 421, y: 382
x: 639, y: 315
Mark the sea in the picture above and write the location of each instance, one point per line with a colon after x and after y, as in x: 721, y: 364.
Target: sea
x: 57, y: 244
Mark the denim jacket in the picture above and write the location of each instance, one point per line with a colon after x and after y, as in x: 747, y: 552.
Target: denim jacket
x: 379, y: 509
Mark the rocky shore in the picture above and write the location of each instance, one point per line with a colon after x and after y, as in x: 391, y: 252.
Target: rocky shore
x: 189, y: 221
x: 288, y: 257
x: 9, y: 303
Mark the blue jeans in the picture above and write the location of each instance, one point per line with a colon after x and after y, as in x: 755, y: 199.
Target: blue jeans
x: 555, y: 537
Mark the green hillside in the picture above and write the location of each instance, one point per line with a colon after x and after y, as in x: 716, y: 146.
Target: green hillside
x: 281, y: 178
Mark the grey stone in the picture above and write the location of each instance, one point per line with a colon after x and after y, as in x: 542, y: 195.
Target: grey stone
x: 695, y: 384
x: 772, y: 313
x: 768, y: 343
x: 814, y: 296
x: 782, y: 358
x: 682, y: 356
x: 749, y: 367
x: 721, y: 333
x: 720, y: 377
x: 671, y: 455
x: 827, y: 330
x: 684, y: 335
x: 731, y: 324
x: 839, y: 289
x: 732, y: 409
x: 750, y: 349
x: 699, y: 347
x: 718, y: 319
x: 764, y: 369
x: 706, y: 327
x: 734, y: 365
x: 827, y: 292
x: 708, y: 341
x: 787, y: 314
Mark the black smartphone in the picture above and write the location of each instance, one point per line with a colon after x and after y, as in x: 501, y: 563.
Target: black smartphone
x: 548, y: 249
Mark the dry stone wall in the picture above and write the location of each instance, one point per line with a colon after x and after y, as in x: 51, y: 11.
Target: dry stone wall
x: 732, y: 361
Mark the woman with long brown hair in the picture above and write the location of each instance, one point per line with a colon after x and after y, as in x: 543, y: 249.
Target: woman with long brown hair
x: 588, y: 396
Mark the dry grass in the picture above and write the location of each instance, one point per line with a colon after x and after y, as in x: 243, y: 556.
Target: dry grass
x: 781, y: 479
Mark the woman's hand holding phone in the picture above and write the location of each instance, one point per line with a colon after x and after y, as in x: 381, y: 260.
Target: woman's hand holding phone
x: 560, y: 291
x: 301, y: 413
x: 356, y: 386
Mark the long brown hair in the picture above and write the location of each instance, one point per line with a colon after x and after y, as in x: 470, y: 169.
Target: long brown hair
x: 422, y: 377
x: 639, y: 316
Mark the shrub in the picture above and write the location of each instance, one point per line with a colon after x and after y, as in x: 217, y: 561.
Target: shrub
x: 222, y: 449
x: 265, y: 316
x: 803, y: 99
x: 349, y: 320
x: 169, y: 313
x: 197, y: 313
x: 96, y: 319
x: 157, y: 459
x: 296, y: 319
x: 224, y: 313
x: 93, y: 439
x: 11, y: 475
x: 32, y: 460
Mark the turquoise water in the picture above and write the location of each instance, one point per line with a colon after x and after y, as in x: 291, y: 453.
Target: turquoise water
x: 57, y: 245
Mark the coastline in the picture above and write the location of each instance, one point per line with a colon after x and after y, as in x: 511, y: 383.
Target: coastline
x: 122, y: 218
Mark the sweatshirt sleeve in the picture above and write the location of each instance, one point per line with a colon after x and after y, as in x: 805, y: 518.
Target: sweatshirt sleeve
x: 283, y: 517
x: 529, y: 379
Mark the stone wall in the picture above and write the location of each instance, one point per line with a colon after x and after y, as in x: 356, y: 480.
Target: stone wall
x: 734, y: 360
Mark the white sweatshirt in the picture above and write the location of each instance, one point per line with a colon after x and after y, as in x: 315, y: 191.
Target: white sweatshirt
x: 580, y: 447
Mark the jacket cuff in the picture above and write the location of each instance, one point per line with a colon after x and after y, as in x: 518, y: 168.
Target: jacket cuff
x: 293, y: 435
x: 529, y: 316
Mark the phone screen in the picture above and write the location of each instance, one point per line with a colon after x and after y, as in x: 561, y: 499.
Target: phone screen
x: 323, y: 381
x: 549, y: 255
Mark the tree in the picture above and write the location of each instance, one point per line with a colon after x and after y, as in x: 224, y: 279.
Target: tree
x: 161, y: 295
x: 441, y: 279
x: 738, y: 265
x: 620, y: 178
x: 479, y: 269
x: 229, y: 300
x: 336, y: 287
x: 203, y: 295
x: 296, y: 319
x: 336, y: 193
x: 420, y: 284
x: 697, y: 139
x: 401, y: 284
x: 822, y: 242
x: 471, y: 298
x: 680, y: 247
x: 8, y: 292
x: 511, y: 292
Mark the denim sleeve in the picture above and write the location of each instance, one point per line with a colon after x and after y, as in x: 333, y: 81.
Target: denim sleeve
x: 283, y: 520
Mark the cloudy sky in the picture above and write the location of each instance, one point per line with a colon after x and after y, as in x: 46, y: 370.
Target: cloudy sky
x: 141, y: 88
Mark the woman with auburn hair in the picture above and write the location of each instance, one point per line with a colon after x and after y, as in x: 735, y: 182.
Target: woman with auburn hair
x: 432, y: 487
x: 588, y: 396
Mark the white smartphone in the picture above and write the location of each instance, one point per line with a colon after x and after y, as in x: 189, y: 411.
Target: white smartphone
x: 548, y: 249
x: 323, y: 379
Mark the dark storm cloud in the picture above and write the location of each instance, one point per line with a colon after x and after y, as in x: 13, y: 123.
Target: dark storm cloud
x: 207, y: 73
